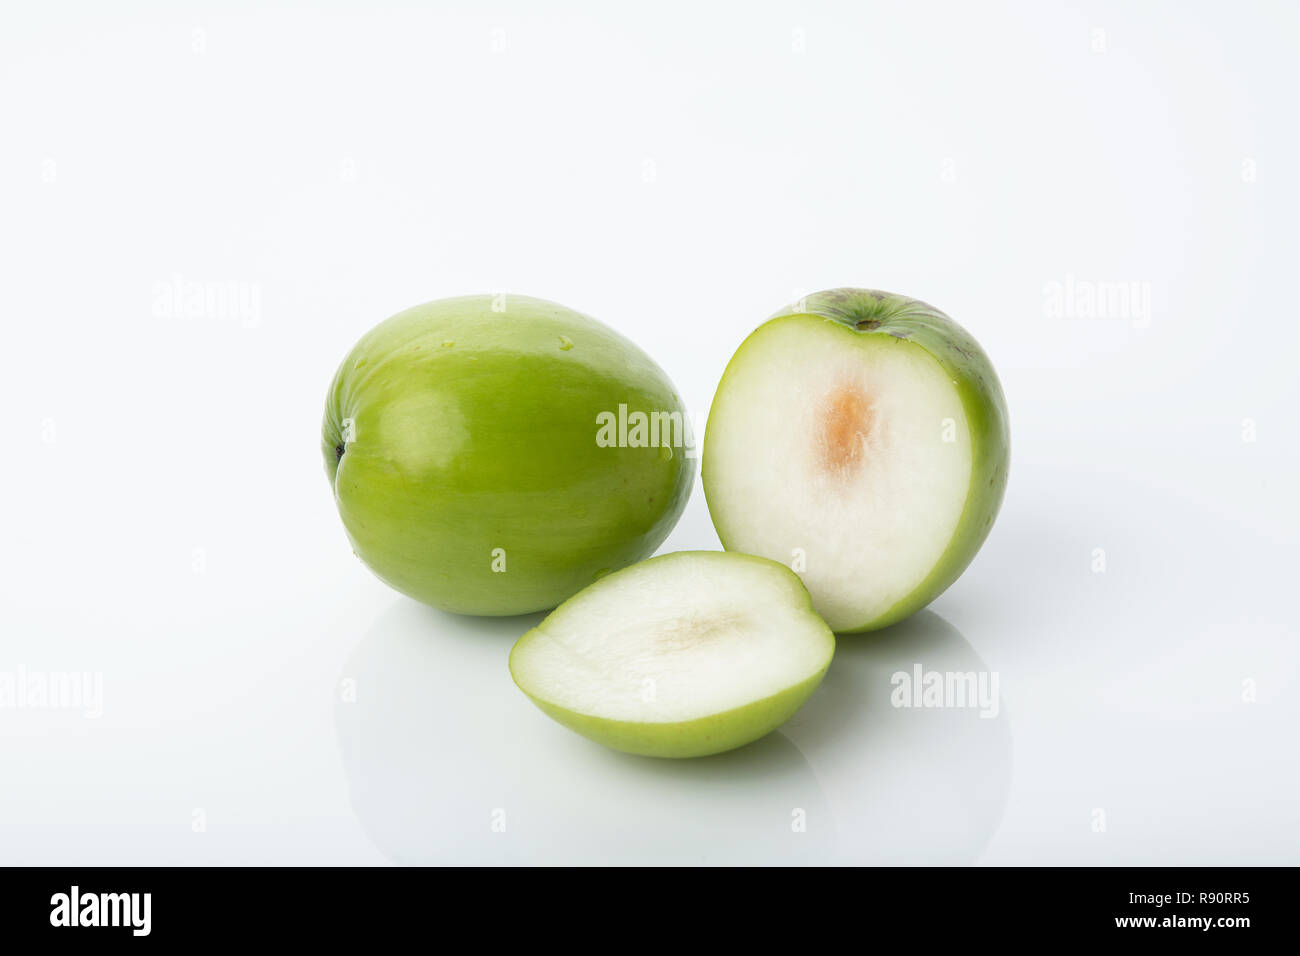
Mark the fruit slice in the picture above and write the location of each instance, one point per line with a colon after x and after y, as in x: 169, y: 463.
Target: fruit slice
x: 862, y: 438
x: 684, y: 655
x: 465, y: 444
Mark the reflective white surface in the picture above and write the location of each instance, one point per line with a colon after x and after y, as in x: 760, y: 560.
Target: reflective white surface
x: 849, y: 778
x: 170, y: 532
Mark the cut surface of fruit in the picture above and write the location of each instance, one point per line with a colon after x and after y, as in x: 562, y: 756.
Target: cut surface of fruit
x: 847, y: 448
x: 683, y: 655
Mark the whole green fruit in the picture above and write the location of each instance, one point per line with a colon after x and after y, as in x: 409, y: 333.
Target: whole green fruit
x: 468, y: 445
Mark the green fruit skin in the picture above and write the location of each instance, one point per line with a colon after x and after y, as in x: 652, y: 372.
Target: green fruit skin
x: 704, y: 736
x: 474, y: 429
x: 865, y: 313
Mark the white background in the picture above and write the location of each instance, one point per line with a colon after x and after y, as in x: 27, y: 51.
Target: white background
x: 680, y: 173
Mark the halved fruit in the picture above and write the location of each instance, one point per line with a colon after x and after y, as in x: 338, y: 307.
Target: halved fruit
x: 684, y: 655
x: 862, y: 438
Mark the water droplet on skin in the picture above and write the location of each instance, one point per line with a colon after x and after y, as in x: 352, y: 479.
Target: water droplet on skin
x: 666, y: 453
x: 359, y: 363
x: 565, y: 344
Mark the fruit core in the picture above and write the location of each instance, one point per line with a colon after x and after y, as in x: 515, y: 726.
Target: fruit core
x: 844, y: 423
x: 696, y: 629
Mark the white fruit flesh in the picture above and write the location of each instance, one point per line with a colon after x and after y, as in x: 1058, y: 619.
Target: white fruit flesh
x: 675, y: 639
x: 863, y: 442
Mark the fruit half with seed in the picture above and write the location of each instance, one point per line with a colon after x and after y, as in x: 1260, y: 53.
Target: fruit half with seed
x: 860, y: 437
x: 684, y: 655
x: 481, y: 459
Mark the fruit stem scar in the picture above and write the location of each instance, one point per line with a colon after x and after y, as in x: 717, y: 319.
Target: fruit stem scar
x: 338, y: 452
x: 868, y: 324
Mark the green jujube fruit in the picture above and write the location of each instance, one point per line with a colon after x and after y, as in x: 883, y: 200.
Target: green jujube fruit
x: 862, y: 438
x: 469, y: 447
